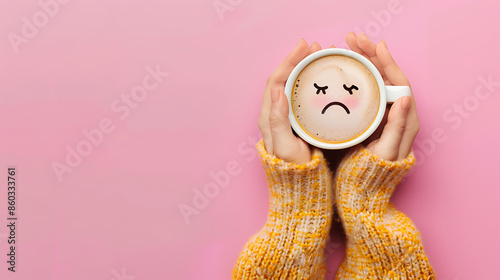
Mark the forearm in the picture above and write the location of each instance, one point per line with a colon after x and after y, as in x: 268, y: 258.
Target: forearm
x: 291, y: 244
x: 383, y: 243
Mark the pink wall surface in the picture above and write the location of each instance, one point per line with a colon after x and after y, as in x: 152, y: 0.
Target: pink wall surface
x: 101, y: 177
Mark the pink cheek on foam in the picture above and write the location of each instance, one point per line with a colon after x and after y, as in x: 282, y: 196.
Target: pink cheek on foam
x: 351, y: 102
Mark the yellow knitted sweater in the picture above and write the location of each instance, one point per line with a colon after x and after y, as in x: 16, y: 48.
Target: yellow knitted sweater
x: 382, y: 243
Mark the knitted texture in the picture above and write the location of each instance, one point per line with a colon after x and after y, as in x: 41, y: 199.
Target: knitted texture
x: 382, y: 243
x: 291, y: 244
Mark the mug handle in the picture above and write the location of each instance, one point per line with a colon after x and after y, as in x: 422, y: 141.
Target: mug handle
x: 395, y: 92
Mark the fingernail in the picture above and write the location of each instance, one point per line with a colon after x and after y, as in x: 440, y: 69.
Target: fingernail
x: 301, y: 41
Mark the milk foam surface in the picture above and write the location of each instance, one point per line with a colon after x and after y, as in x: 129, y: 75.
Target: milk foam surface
x: 350, y: 89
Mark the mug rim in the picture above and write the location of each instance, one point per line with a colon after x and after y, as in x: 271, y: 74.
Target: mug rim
x: 382, y: 92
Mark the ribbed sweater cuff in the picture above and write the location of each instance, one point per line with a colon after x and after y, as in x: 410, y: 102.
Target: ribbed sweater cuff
x: 374, y: 177
x: 303, y: 186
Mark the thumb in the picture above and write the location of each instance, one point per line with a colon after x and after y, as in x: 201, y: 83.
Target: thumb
x: 286, y: 146
x: 388, y: 145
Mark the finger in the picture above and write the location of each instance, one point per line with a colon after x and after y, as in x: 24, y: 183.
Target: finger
x: 366, y: 45
x: 352, y: 41
x: 389, y: 144
x: 391, y: 69
x: 266, y: 136
x: 286, y: 145
x: 370, y: 49
x: 396, y: 77
x: 314, y: 48
x: 378, y: 132
x: 411, y: 130
x: 332, y: 47
x: 279, y: 76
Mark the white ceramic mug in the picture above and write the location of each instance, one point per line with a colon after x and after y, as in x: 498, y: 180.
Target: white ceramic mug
x: 363, y: 103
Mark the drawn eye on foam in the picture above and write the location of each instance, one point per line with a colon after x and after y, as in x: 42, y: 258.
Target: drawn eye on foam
x: 349, y: 89
x: 323, y: 89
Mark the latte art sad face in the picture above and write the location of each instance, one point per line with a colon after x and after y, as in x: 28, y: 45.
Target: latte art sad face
x: 335, y: 99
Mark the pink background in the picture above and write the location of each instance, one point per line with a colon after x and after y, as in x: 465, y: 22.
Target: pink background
x: 116, y: 215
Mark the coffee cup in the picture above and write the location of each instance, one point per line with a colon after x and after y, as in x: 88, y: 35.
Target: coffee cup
x: 337, y: 98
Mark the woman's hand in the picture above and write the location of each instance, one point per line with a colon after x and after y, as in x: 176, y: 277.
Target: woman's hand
x: 274, y: 124
x: 393, y: 140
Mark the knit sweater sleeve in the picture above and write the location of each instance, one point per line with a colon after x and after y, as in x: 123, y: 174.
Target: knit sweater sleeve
x: 291, y: 243
x: 382, y: 243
